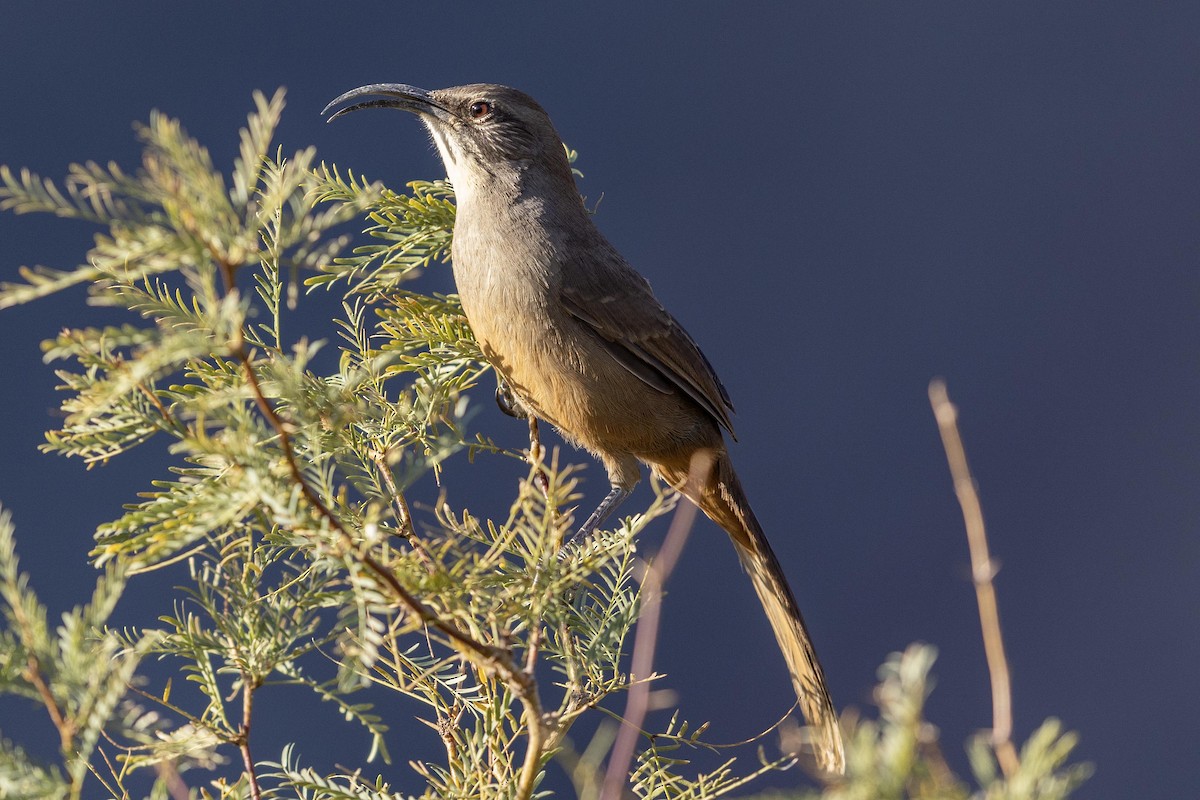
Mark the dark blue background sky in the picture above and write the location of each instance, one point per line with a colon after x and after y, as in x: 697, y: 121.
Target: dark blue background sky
x: 840, y: 202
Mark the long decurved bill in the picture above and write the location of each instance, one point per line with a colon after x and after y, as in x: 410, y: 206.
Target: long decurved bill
x: 390, y: 95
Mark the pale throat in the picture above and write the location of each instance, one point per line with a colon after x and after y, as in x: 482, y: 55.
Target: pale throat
x: 456, y: 163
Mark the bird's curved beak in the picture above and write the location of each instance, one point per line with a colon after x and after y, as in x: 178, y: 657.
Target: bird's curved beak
x: 394, y: 95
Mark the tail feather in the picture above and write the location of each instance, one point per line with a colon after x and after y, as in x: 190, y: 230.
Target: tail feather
x: 724, y: 501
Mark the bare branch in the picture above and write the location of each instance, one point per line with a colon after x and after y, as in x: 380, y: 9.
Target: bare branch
x: 641, y: 668
x: 983, y: 569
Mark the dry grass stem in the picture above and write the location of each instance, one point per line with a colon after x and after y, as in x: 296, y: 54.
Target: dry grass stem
x: 645, y: 639
x: 983, y: 569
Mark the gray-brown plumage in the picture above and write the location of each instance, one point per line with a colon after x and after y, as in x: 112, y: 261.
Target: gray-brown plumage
x: 583, y: 343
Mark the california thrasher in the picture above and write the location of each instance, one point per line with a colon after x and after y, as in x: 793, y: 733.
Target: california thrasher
x: 581, y: 340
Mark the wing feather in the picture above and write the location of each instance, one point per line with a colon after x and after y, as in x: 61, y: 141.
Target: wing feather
x: 645, y: 339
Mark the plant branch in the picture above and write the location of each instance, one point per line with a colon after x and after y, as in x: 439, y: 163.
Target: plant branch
x: 494, y: 658
x: 243, y: 739
x: 983, y: 570
x: 641, y: 668
x: 403, y: 515
x: 158, y: 405
x: 66, y: 729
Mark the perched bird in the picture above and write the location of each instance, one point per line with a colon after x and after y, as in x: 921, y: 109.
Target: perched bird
x: 582, y: 342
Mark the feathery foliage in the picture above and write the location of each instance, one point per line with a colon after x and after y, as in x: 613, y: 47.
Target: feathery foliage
x: 897, y: 757
x: 287, y: 506
x: 286, y: 518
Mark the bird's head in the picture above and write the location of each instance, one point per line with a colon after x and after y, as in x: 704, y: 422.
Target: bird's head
x: 480, y: 130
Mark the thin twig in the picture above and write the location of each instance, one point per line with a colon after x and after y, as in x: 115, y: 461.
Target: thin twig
x: 65, y: 727
x: 116, y: 776
x: 162, y: 410
x: 645, y: 641
x: 243, y: 739
x: 403, y: 515
x: 446, y: 724
x: 166, y: 770
x: 33, y: 673
x: 533, y: 648
x: 199, y: 723
x: 983, y: 570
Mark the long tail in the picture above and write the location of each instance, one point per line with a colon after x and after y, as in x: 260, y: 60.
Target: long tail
x: 723, y: 500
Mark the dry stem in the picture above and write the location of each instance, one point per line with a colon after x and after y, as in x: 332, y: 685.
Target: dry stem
x: 645, y: 640
x: 983, y: 569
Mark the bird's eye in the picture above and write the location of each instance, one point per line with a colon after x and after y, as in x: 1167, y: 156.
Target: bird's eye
x: 480, y: 109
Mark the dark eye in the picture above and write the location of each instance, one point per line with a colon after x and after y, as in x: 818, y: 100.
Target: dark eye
x: 480, y: 109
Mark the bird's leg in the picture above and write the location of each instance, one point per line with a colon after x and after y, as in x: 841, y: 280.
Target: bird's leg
x: 624, y: 472
x: 607, y: 506
x: 537, y: 454
x: 575, y: 596
x: 508, y: 402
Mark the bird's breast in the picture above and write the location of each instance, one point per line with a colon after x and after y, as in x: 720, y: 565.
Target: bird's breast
x: 508, y: 296
x: 509, y: 284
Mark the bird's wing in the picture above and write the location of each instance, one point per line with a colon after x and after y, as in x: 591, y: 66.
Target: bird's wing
x: 616, y: 303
